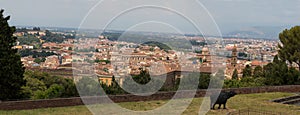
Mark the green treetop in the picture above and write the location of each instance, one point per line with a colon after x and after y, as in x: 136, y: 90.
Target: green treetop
x: 247, y: 72
x: 289, y: 49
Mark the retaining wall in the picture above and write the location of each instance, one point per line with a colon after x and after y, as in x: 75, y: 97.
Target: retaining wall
x: 63, y: 102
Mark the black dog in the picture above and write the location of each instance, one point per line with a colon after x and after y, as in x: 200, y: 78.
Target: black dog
x: 221, y: 99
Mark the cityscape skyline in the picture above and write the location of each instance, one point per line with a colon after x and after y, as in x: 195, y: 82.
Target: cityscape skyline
x: 149, y: 57
x: 70, y: 13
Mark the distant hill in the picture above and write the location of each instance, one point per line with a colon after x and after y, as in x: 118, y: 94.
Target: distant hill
x: 258, y: 32
x: 158, y: 44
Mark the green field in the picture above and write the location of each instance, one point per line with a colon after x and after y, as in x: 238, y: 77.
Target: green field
x: 245, y: 101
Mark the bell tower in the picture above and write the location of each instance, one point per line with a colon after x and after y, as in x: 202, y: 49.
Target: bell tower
x: 234, y: 56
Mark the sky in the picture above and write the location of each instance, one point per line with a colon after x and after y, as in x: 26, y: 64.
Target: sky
x: 206, y: 16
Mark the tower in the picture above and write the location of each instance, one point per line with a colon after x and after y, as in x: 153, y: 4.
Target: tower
x: 234, y: 56
x: 261, y: 56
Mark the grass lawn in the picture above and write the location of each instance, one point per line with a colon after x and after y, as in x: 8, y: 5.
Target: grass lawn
x: 244, y: 101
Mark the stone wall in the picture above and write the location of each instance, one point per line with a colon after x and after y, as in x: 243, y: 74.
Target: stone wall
x: 62, y: 102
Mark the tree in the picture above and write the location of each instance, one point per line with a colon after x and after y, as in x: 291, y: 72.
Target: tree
x: 41, y: 85
x: 293, y: 77
x: 114, y: 88
x: 204, y: 80
x: 232, y: 83
x: 11, y: 71
x: 32, y: 86
x: 142, y: 79
x: 36, y: 28
x: 43, y: 59
x: 190, y: 82
x: 289, y: 49
x: 37, y: 60
x: 54, y: 91
x: 50, y: 37
x: 247, y: 72
x: 276, y: 59
x: 235, y: 74
x: 88, y: 87
x: 70, y: 48
x: 258, y: 72
x: 276, y: 72
x: 48, y: 33
x: 70, y: 88
x: 252, y: 82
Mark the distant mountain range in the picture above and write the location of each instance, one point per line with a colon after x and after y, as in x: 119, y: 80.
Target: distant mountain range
x: 258, y: 32
x: 261, y: 32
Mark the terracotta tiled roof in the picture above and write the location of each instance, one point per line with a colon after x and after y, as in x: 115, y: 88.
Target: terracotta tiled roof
x: 256, y: 63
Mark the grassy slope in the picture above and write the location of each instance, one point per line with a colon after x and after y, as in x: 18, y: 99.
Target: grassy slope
x: 255, y: 101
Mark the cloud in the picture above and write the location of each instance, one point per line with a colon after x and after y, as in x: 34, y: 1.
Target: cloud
x: 228, y: 14
x: 233, y: 0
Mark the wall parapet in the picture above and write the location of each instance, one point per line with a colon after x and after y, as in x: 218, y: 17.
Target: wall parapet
x: 63, y: 102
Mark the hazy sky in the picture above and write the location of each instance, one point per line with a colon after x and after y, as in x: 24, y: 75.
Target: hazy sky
x: 228, y: 14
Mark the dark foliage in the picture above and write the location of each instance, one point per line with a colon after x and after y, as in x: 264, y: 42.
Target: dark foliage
x: 11, y: 71
x: 50, y: 37
x: 247, y: 72
x: 289, y: 49
x: 44, y: 86
x: 88, y: 87
x: 158, y: 44
x: 196, y: 43
x: 275, y: 73
x: 43, y: 53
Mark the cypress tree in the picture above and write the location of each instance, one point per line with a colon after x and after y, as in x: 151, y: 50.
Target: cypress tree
x: 247, y: 72
x: 235, y: 74
x: 11, y: 71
